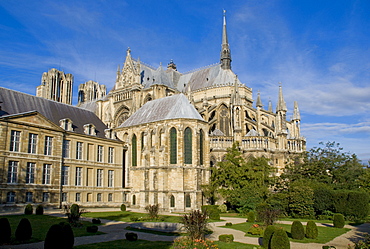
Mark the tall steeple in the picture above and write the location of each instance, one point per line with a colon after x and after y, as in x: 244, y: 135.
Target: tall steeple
x: 296, y: 113
x: 259, y: 101
x: 225, y: 57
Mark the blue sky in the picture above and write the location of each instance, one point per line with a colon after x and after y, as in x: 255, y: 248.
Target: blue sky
x: 318, y: 50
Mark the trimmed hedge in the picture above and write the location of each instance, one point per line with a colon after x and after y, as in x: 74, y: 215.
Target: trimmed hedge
x: 5, y: 230
x: 96, y: 221
x: 228, y: 224
x: 297, y: 230
x: 24, y: 230
x: 251, y: 216
x: 69, y: 238
x: 228, y: 238
x: 267, y: 235
x: 131, y: 236
x: 212, y: 211
x: 28, y: 209
x: 338, y: 220
x: 280, y: 240
x: 39, y: 210
x: 92, y: 229
x: 311, y: 230
x: 123, y: 207
x: 59, y: 236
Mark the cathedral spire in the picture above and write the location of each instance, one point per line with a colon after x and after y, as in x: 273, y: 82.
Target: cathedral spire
x: 270, y: 106
x: 225, y: 57
x: 281, y: 105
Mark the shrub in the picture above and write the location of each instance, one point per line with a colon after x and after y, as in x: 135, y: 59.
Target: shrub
x: 134, y: 219
x: 123, y: 207
x: 152, y: 211
x: 255, y: 229
x: 311, y: 230
x: 301, y: 201
x: 91, y: 229
x: 73, y: 213
x: 228, y: 224
x: 54, y: 238
x: 297, y: 230
x: 338, y: 220
x: 267, y: 235
x: 195, y: 223
x: 187, y: 243
x: 59, y: 236
x: 228, y: 238
x: 28, y: 209
x: 24, y: 230
x: 268, y: 215
x: 251, y: 216
x: 96, y: 221
x: 280, y: 239
x: 39, y: 209
x: 5, y: 230
x: 364, y: 243
x: 131, y: 236
x: 212, y: 211
x: 68, y: 236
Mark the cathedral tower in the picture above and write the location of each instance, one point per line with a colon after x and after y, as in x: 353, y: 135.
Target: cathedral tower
x: 225, y: 49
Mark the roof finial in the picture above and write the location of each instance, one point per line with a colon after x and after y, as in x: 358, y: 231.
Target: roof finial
x: 281, y: 105
x: 259, y: 101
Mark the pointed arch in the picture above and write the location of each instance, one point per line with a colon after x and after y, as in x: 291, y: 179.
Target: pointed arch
x: 173, y: 146
x: 172, y: 201
x: 134, y: 150
x: 188, y: 146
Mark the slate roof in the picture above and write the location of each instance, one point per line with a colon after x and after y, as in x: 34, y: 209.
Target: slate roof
x: 172, y: 107
x: 16, y: 102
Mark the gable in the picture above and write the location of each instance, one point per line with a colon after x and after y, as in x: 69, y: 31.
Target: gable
x: 32, y: 119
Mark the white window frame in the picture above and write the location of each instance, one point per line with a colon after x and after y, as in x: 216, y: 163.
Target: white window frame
x: 29, y: 197
x: 65, y: 175
x: 66, y: 148
x: 110, y: 155
x: 48, y: 146
x: 46, y: 174
x: 13, y: 172
x: 30, y: 172
x: 99, y: 178
x: 10, y: 196
x: 110, y: 178
x: 99, y: 157
x: 78, y: 180
x: 15, y: 138
x: 79, y: 150
x: 32, y: 143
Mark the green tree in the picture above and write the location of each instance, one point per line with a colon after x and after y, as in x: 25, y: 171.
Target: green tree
x: 328, y: 165
x: 301, y: 200
x: 243, y: 183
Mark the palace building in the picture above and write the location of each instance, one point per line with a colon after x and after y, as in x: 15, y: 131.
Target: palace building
x: 152, y: 139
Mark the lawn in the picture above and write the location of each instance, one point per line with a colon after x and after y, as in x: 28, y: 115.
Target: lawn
x: 144, y: 244
x: 127, y: 215
x: 40, y: 225
x: 326, y: 234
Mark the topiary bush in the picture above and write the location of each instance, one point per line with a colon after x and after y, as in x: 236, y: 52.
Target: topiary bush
x: 59, y: 236
x: 311, y: 230
x: 28, y: 209
x: 123, y: 207
x: 280, y: 240
x: 266, y: 240
x: 338, y: 220
x: 54, y: 238
x: 297, y: 230
x: 39, y: 209
x: 92, y: 229
x: 228, y: 238
x: 255, y: 229
x: 212, y: 211
x: 131, y: 236
x: 251, y: 216
x: 228, y: 224
x: 96, y: 221
x: 24, y: 230
x: 67, y: 233
x: 5, y: 230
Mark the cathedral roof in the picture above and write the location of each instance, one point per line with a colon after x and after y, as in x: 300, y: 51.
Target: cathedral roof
x: 14, y: 102
x: 207, y: 77
x: 172, y: 107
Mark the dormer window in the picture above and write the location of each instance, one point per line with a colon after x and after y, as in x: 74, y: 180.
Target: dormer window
x: 109, y: 133
x: 89, y: 129
x: 66, y: 124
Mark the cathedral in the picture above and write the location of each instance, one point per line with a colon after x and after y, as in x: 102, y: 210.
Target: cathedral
x: 152, y: 139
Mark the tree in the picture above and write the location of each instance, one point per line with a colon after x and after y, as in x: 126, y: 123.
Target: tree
x: 327, y: 165
x: 243, y: 183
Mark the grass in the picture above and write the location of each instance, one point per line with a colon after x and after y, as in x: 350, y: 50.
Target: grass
x: 144, y: 244
x: 326, y: 234
x: 154, y: 232
x: 40, y: 225
x: 126, y: 216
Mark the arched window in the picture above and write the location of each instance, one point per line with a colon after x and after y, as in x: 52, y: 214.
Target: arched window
x: 201, y: 146
x: 187, y: 146
x: 134, y: 200
x: 172, y: 201
x: 173, y: 146
x: 142, y: 140
x: 134, y: 151
x: 187, y: 201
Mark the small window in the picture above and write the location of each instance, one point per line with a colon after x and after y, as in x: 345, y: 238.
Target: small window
x: 29, y: 197
x: 15, y: 140
x: 110, y: 197
x: 10, y: 197
x: 187, y: 201
x: 45, y: 197
x: 89, y: 129
x: 78, y: 197
x: 98, y: 197
x: 172, y: 201
x: 64, y: 197
x: 134, y: 200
